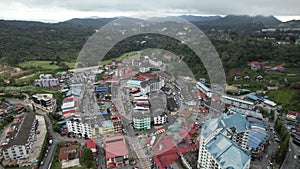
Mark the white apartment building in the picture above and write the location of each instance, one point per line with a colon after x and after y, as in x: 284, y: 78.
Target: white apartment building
x: 79, y: 128
x: 152, y: 85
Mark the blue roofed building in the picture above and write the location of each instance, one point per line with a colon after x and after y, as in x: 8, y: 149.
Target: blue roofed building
x: 225, y: 153
x: 233, y: 129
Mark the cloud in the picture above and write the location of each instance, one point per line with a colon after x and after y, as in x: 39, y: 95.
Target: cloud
x: 66, y: 9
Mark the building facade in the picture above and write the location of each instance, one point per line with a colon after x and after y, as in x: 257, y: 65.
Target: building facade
x: 221, y: 140
x: 79, y: 128
x: 21, y: 140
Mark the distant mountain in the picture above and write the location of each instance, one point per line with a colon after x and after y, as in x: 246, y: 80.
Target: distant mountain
x: 290, y: 24
x: 241, y: 24
x: 93, y: 22
x: 193, y: 18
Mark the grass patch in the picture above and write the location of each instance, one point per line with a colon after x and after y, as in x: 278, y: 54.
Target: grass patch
x: 282, y: 96
x: 129, y: 55
x: 288, y: 98
x: 44, y: 65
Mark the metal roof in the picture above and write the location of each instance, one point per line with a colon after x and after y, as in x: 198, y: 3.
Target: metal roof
x: 226, y: 153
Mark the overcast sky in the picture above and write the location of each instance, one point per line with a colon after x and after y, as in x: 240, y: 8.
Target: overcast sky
x: 61, y: 10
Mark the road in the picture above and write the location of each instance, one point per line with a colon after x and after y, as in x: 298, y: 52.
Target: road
x: 290, y: 160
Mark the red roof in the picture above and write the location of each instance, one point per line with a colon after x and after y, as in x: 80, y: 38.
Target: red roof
x: 90, y: 143
x: 140, y: 79
x: 148, y: 75
x: 19, y: 106
x: 202, y: 95
x: 70, y: 99
x: 128, y: 75
x: 115, y: 147
x: 255, y: 63
x: 162, y: 161
x: 70, y: 111
x: 6, y: 81
x: 66, y: 152
x: 293, y: 113
x: 111, y: 164
x: 268, y: 67
x: 279, y: 67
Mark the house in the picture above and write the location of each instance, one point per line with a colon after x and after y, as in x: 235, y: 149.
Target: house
x: 91, y: 144
x: 255, y: 65
x: 116, y: 151
x: 67, y: 153
x: 292, y: 115
x: 279, y: 68
x: 21, y: 138
x: 259, y: 78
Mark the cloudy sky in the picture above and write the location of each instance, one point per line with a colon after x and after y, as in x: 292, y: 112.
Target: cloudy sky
x: 61, y: 10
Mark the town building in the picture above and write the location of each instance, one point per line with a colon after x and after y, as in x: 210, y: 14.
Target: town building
x: 91, y: 144
x: 45, y: 100
x: 152, y: 85
x: 165, y: 76
x: 237, y: 102
x: 204, y: 89
x: 67, y: 153
x: 116, y: 151
x: 141, y: 119
x: 158, y: 107
x: 79, y: 128
x: 46, y: 80
x: 116, y: 120
x: 221, y: 139
x: 255, y: 65
x: 21, y: 138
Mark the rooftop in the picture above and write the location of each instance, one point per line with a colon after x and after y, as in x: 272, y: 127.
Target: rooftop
x: 115, y: 146
x: 23, y: 134
x: 227, y: 153
x: 224, y: 122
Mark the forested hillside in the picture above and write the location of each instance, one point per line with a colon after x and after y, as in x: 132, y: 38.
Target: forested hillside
x: 237, y: 39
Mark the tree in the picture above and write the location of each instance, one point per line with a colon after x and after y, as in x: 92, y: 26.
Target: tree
x: 87, y: 157
x: 272, y: 115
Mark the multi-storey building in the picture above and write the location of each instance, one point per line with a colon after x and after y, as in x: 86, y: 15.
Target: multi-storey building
x: 223, y: 138
x: 116, y: 123
x: 158, y: 108
x: 79, y: 128
x: 152, y: 85
x: 45, y: 100
x: 141, y: 119
x: 46, y: 80
x: 21, y: 138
